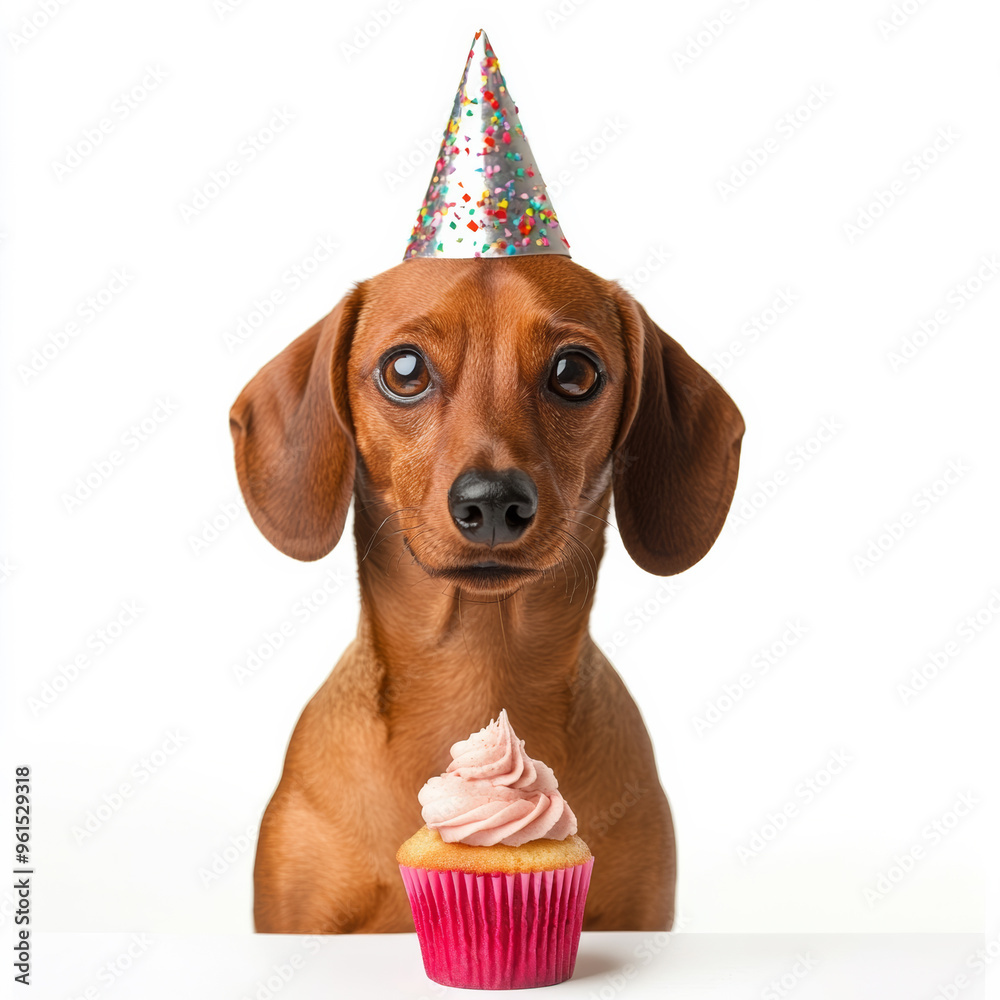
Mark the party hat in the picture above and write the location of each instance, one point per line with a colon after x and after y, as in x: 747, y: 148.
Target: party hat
x: 487, y: 197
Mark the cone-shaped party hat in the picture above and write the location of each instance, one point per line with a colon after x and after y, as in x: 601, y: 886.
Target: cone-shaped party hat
x: 487, y: 197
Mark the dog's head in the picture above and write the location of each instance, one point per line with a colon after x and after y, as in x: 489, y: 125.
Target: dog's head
x: 484, y: 406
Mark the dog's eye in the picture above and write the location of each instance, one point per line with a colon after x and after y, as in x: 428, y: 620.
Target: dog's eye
x: 404, y: 374
x: 574, y: 376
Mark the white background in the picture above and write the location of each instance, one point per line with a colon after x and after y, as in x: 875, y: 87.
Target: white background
x: 387, y: 967
x: 633, y: 147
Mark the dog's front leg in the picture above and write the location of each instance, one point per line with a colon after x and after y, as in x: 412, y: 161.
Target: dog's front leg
x: 326, y: 852
x: 312, y: 876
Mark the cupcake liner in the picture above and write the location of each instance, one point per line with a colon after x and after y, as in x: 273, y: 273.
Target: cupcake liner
x: 494, y: 932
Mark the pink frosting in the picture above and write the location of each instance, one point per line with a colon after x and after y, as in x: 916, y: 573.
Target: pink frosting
x: 494, y: 793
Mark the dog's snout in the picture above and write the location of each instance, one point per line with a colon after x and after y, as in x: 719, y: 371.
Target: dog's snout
x: 493, y: 505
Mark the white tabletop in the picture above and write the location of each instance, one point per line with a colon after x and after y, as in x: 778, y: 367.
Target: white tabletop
x: 610, y: 965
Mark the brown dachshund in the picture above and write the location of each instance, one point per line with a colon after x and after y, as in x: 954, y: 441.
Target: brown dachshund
x: 481, y: 413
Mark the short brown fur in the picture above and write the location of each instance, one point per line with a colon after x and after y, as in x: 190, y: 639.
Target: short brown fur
x: 435, y: 658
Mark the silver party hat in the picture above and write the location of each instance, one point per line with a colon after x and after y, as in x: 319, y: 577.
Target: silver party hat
x: 487, y: 197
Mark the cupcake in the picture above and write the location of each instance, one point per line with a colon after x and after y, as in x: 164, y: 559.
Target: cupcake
x: 498, y: 878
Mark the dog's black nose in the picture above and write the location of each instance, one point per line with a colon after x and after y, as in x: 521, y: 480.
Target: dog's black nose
x: 493, y: 506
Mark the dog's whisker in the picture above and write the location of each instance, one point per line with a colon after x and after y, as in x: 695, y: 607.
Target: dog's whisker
x: 587, y: 513
x: 372, y: 547
x: 569, y: 534
x: 596, y: 503
x: 399, y: 558
x: 593, y: 564
x: 374, y: 536
x: 607, y: 510
x: 575, y: 574
x: 565, y: 569
x: 418, y: 529
x: 379, y: 528
x: 589, y: 565
x: 361, y: 508
x: 580, y: 524
x: 406, y: 542
x: 503, y: 633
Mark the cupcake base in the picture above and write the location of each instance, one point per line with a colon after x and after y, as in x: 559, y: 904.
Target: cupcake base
x: 498, y: 931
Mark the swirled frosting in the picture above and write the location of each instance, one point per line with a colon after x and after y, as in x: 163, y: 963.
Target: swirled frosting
x: 494, y: 793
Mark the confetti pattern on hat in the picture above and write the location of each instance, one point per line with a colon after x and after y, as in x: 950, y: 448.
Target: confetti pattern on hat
x: 487, y: 197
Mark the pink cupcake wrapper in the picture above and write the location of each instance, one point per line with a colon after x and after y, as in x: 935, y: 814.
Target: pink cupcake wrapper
x: 498, y: 931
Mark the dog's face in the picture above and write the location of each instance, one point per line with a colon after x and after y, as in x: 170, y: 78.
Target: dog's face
x: 483, y: 407
x: 484, y: 403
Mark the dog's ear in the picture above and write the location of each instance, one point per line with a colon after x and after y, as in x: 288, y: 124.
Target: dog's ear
x: 678, y: 450
x: 294, y: 440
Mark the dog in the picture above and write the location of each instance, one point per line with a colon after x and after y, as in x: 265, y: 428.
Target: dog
x: 481, y: 413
